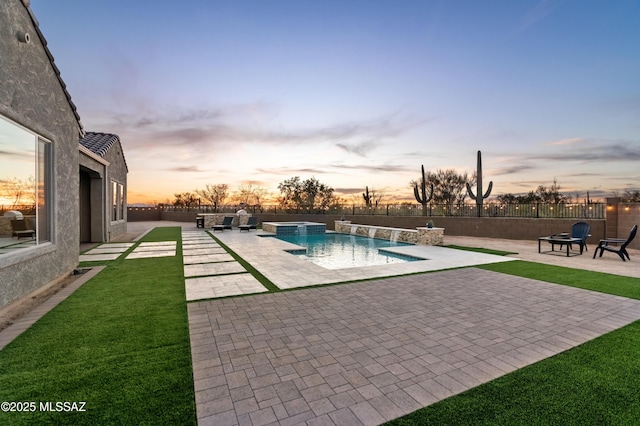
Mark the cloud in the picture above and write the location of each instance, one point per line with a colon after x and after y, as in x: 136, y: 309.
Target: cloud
x: 539, y: 12
x: 584, y: 174
x: 211, y: 128
x: 569, y: 141
x: 254, y: 183
x: 511, y: 170
x: 361, y: 149
x: 185, y: 169
x: 16, y: 155
x: 605, y: 152
x: 348, y: 191
x: 385, y: 168
x: 291, y: 171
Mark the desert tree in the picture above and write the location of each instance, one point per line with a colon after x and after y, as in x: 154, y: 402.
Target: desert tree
x: 309, y: 195
x: 186, y: 200
x: 214, y: 195
x: 552, y: 194
x: 631, y: 196
x: 448, y: 186
x: 19, y: 192
x: 250, y: 194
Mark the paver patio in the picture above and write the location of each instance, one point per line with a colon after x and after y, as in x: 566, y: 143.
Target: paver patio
x: 365, y: 353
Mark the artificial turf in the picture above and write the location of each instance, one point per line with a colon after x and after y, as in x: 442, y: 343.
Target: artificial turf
x: 120, y: 343
x: 593, y: 384
x: 580, y: 278
x: 481, y: 250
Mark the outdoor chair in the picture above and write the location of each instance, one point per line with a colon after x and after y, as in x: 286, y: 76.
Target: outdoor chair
x: 226, y: 224
x: 581, y: 230
x: 578, y: 235
x: 19, y: 229
x: 252, y: 223
x: 620, y: 250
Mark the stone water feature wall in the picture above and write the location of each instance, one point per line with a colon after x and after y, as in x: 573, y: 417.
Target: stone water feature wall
x: 420, y: 235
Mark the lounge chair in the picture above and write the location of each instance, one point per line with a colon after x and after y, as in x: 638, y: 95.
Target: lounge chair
x: 252, y: 223
x: 19, y: 229
x: 621, y: 249
x: 226, y: 224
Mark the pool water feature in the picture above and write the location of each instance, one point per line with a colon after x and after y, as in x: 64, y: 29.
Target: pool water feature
x: 294, y: 228
x: 338, y: 251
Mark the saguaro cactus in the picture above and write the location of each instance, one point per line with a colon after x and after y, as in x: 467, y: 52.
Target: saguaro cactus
x: 479, y: 198
x: 367, y: 197
x: 424, y: 200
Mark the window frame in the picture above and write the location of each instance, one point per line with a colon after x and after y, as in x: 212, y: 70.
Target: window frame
x: 43, y: 193
x: 117, y: 201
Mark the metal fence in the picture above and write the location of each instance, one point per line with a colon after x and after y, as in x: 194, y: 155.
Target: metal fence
x: 534, y: 210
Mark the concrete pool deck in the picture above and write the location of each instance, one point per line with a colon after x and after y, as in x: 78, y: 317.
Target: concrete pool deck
x: 286, y: 271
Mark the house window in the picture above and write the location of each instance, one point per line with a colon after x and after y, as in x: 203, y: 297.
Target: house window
x: 43, y: 188
x: 117, y: 200
x: 25, y: 188
x: 121, y: 201
x: 114, y: 201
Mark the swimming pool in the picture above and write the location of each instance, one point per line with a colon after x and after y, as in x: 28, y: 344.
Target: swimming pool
x: 338, y: 251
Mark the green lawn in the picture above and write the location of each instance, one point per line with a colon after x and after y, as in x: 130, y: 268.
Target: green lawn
x: 595, y: 383
x: 120, y: 343
x: 481, y: 250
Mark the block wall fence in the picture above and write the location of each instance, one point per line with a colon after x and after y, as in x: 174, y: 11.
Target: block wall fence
x: 620, y: 219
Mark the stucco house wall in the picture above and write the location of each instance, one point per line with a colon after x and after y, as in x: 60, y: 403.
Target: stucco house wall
x: 32, y: 95
x: 118, y: 173
x: 102, y: 164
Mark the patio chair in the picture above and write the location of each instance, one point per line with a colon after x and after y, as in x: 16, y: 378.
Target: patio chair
x: 579, y: 234
x: 620, y: 250
x: 581, y: 230
x: 19, y: 229
x: 252, y: 223
x: 226, y: 224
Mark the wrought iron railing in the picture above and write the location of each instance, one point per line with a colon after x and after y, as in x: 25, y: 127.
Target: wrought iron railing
x: 533, y: 210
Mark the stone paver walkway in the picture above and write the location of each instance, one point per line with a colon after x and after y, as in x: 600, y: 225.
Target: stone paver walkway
x: 153, y: 249
x: 107, y: 251
x: 210, y: 272
x: 365, y: 353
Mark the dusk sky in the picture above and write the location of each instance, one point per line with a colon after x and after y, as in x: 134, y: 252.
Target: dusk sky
x: 357, y: 93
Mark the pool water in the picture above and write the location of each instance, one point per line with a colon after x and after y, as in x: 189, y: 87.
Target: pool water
x: 338, y: 251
